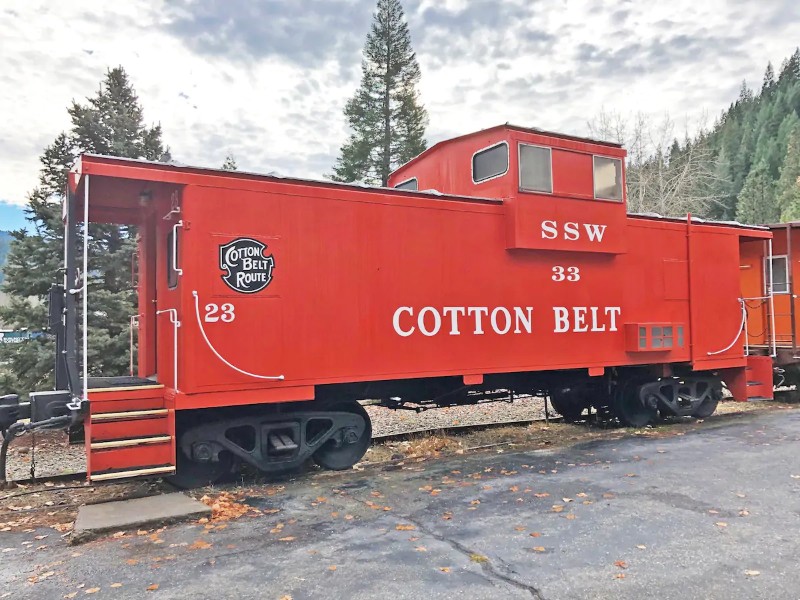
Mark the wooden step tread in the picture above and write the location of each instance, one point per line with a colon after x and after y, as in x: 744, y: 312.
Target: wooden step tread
x: 131, y: 414
x: 139, y: 472
x: 126, y: 442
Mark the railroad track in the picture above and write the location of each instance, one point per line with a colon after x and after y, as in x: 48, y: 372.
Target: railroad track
x: 448, y: 430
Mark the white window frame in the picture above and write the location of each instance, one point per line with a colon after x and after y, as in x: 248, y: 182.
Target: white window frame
x: 621, y: 183
x: 397, y: 186
x: 472, y: 162
x: 519, y: 167
x: 767, y: 282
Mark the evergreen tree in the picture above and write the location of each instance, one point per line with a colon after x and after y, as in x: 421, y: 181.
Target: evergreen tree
x: 111, y: 122
x: 788, y: 187
x: 230, y: 163
x: 385, y: 115
x: 756, y: 203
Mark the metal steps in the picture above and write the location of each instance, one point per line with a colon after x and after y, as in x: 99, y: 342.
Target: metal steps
x: 129, y: 436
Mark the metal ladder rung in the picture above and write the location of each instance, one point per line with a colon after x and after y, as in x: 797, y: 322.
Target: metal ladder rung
x: 125, y: 443
x: 132, y: 414
x: 165, y: 470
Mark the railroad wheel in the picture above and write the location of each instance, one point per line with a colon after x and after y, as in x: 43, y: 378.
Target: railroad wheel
x: 569, y: 403
x: 630, y: 409
x: 193, y: 474
x: 341, y: 452
x: 709, y: 404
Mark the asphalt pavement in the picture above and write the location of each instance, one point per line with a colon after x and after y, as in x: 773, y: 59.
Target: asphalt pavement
x: 710, y: 514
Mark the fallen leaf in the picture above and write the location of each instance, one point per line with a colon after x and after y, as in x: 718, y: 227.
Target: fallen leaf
x: 116, y: 585
x: 349, y: 517
x: 557, y: 508
x: 630, y: 474
x: 200, y: 545
x: 720, y: 524
x: 152, y: 587
x: 581, y: 495
x: 619, y: 576
x: 641, y: 546
x: 542, y: 495
x: 332, y: 568
x: 752, y: 573
x: 421, y: 549
x: 288, y: 538
x: 744, y: 513
x: 404, y: 527
x: 286, y: 597
x: 538, y: 549
x: 607, y: 495
x: 571, y: 516
x: 536, y: 534
x: 475, y: 502
x: 91, y: 590
x: 567, y: 499
x: 71, y: 595
x: 132, y: 561
x: 520, y: 528
x: 514, y: 488
x: 621, y: 564
x: 444, y: 569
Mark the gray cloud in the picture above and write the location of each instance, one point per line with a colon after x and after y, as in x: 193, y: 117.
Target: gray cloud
x: 302, y: 32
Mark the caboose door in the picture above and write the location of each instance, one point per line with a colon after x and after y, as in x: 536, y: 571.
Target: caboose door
x: 168, y: 274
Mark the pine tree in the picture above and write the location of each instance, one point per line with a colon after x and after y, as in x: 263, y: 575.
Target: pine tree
x: 756, y: 203
x: 111, y: 122
x: 788, y: 187
x: 230, y: 163
x: 386, y: 117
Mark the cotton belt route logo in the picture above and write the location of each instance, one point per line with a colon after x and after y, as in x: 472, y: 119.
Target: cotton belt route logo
x: 247, y: 269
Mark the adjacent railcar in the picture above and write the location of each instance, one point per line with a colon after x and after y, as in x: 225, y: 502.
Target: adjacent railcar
x: 501, y: 261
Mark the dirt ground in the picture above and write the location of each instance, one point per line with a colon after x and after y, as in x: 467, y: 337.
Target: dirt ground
x: 55, y: 504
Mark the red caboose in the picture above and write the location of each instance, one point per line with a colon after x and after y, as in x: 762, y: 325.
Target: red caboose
x: 501, y: 261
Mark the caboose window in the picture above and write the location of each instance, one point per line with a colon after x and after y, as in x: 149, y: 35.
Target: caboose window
x: 535, y: 169
x: 607, y: 178
x: 409, y: 184
x: 490, y: 162
x: 780, y: 275
x: 172, y: 246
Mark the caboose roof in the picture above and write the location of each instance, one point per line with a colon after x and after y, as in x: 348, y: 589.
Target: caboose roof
x: 118, y: 182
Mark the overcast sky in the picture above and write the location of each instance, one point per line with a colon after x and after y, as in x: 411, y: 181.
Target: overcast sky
x: 267, y: 81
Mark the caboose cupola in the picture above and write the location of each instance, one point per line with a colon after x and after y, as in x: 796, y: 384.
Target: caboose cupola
x: 561, y: 192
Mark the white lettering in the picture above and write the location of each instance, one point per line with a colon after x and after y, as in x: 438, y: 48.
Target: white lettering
x: 520, y: 317
x: 571, y: 232
x: 477, y: 311
x: 595, y: 231
x: 437, y: 321
x: 504, y: 311
x: 549, y: 231
x: 561, y: 315
x: 594, y: 320
x: 454, y: 312
x: 396, y: 321
x: 613, y: 311
x: 580, y: 319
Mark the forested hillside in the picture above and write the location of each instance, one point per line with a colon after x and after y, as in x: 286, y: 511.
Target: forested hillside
x: 756, y: 144
x: 745, y: 167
